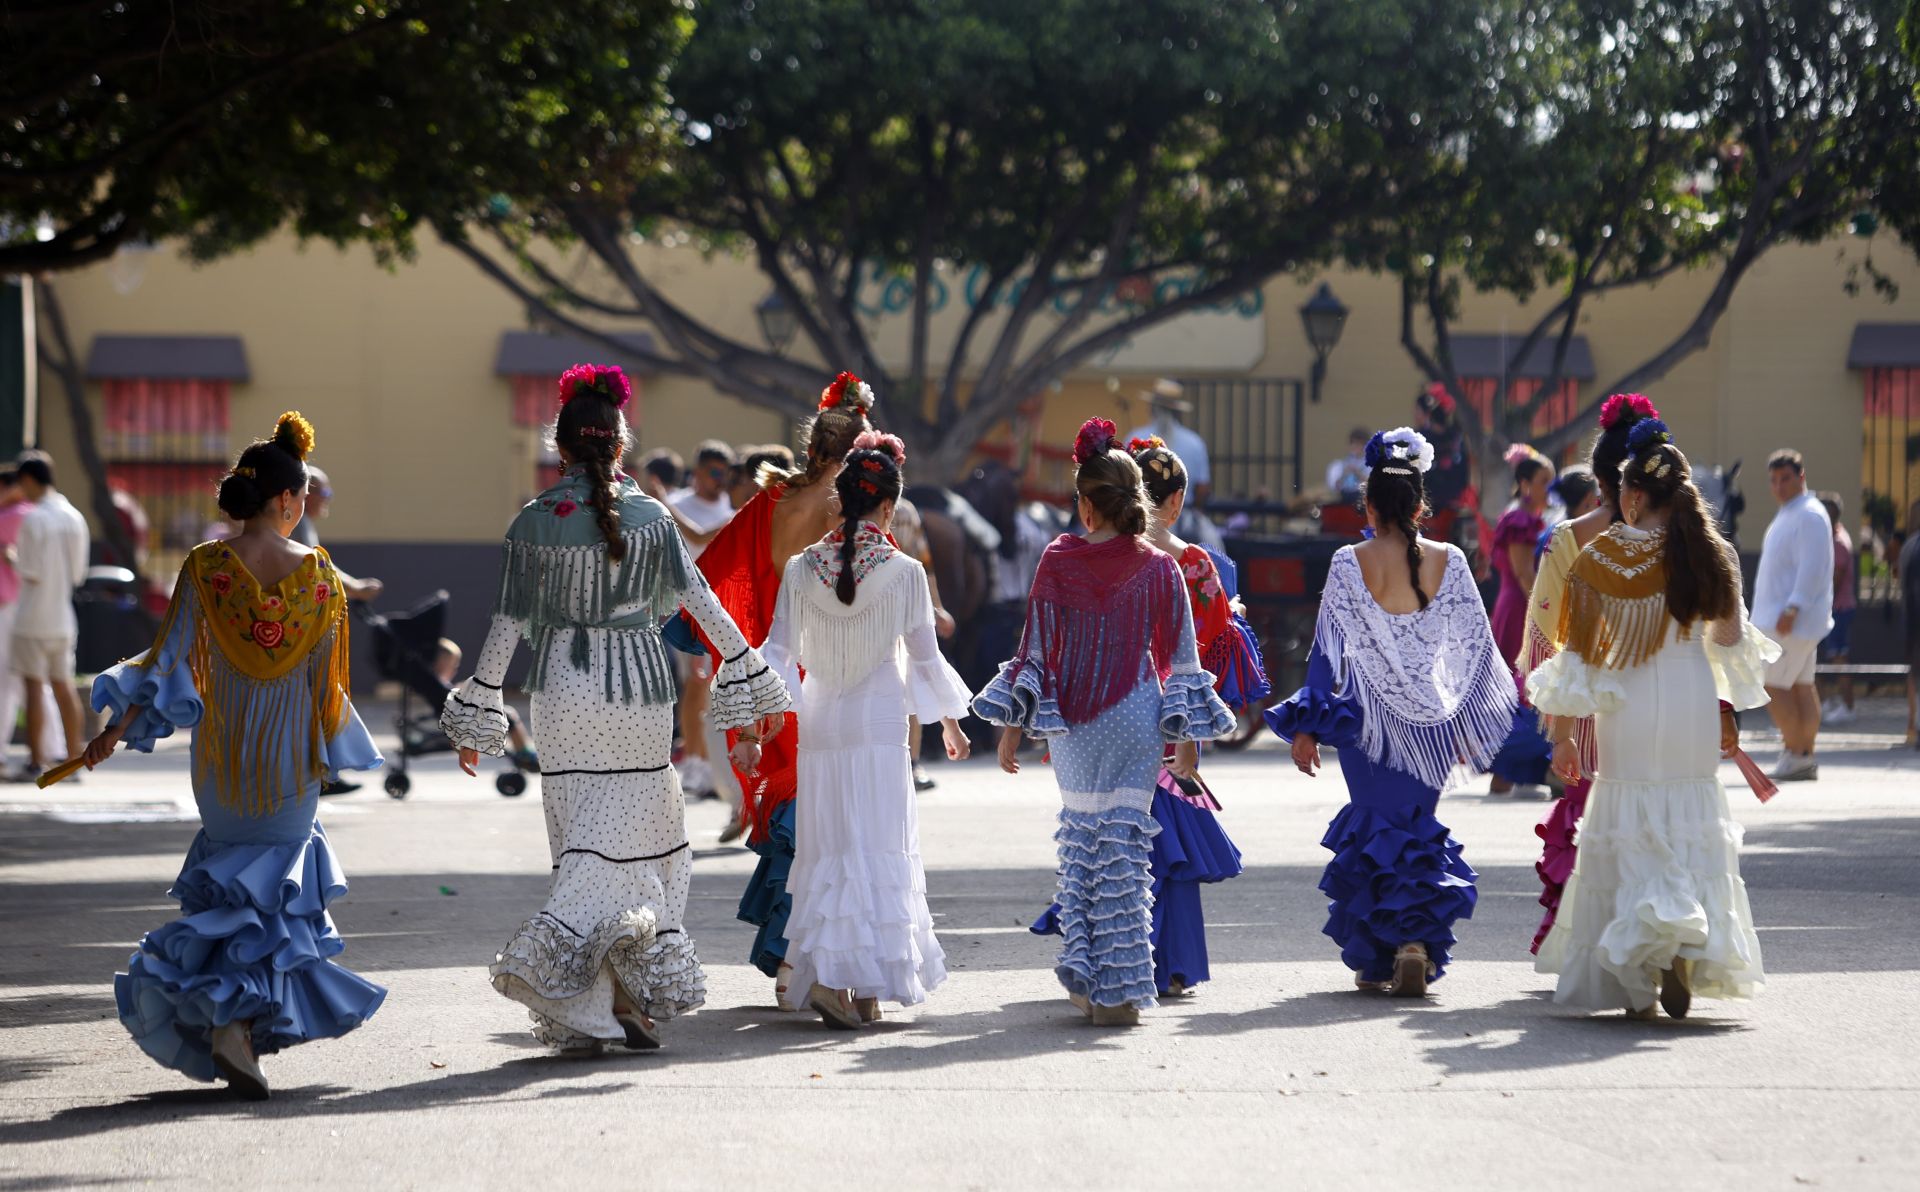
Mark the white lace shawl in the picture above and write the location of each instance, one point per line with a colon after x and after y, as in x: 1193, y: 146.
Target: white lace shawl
x: 1436, y: 700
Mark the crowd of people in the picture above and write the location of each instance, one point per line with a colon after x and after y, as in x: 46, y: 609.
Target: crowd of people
x: 774, y: 611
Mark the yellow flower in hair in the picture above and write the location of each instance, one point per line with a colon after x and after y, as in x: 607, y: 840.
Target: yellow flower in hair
x: 293, y: 434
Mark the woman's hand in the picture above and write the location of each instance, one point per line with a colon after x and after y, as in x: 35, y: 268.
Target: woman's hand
x: 943, y: 623
x: 745, y: 756
x: 1306, y: 753
x: 1010, y: 750
x: 1186, y: 760
x: 1566, y: 761
x: 958, y: 747
x: 1729, y: 733
x: 470, y: 761
x: 768, y: 727
x: 101, y: 747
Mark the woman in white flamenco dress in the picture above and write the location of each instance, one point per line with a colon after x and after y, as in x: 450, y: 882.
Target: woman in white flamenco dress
x: 1653, y: 638
x: 855, y: 617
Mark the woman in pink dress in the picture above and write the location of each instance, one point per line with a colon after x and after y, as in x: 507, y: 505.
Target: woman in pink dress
x: 1514, y: 536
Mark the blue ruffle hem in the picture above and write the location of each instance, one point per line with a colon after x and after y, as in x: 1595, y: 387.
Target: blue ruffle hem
x: 766, y: 904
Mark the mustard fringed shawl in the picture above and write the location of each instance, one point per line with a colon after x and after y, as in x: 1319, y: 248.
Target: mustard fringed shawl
x: 1615, y: 613
x: 264, y: 634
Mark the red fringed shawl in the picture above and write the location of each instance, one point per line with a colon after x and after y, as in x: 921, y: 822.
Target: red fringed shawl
x: 1095, y: 611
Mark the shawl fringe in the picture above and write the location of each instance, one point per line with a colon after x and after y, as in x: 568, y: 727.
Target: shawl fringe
x: 840, y: 645
x: 1615, y: 613
x: 1088, y: 645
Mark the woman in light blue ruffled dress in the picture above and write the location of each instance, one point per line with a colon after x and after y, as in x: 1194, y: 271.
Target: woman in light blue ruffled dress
x: 253, y: 657
x: 1109, y: 674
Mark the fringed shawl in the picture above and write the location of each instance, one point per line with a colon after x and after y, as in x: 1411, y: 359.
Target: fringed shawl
x: 264, y: 634
x: 839, y: 645
x: 556, y: 574
x: 1615, y: 613
x: 738, y: 564
x: 1436, y: 698
x: 1096, y: 611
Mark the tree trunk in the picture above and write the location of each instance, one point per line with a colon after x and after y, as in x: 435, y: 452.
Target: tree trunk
x: 67, y: 365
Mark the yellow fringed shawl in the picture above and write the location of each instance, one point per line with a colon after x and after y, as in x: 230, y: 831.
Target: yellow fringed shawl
x: 1615, y: 611
x: 264, y: 634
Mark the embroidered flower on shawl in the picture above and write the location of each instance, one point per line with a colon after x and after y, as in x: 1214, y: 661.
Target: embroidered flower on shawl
x: 269, y: 634
x: 1095, y: 438
x: 220, y: 582
x: 565, y: 509
x: 870, y: 549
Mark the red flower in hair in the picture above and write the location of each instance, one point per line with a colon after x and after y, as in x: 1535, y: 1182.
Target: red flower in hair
x: 1095, y: 438
x: 871, y: 488
x: 1150, y: 443
x: 1627, y: 408
x: 873, y: 465
x: 847, y: 389
x: 1438, y: 399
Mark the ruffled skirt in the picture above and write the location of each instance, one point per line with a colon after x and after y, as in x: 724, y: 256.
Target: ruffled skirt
x: 255, y: 944
x: 1557, y: 853
x: 1105, y: 903
x: 1658, y: 877
x: 858, y: 888
x: 766, y: 903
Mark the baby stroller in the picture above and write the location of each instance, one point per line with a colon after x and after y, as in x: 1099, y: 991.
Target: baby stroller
x: 403, y: 648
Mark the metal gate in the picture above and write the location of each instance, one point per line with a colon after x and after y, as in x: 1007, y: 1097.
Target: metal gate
x: 1890, y: 487
x: 1253, y: 429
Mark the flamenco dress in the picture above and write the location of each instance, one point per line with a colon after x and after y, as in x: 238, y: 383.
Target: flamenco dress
x: 259, y: 673
x: 860, y: 920
x: 1413, y: 703
x: 1525, y: 756
x: 738, y: 565
x: 603, y: 697
x: 1191, y: 848
x: 1658, y: 872
x: 1108, y: 673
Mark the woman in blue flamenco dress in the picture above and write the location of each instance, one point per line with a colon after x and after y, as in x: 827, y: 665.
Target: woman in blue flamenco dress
x: 1191, y: 849
x: 1404, y: 679
x: 252, y: 656
x: 1108, y: 672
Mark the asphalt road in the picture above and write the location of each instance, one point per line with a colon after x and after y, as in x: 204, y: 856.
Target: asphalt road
x: 1276, y: 1072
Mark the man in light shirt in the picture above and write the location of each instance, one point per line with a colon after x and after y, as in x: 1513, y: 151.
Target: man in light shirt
x: 51, y: 559
x: 14, y: 508
x: 1168, y: 401
x: 701, y: 509
x: 1793, y: 604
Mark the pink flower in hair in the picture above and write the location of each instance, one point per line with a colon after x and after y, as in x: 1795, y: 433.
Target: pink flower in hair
x: 606, y: 380
x: 885, y: 444
x: 1095, y: 438
x: 1626, y: 407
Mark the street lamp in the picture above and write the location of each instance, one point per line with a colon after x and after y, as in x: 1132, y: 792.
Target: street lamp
x: 1325, y: 317
x: 778, y: 322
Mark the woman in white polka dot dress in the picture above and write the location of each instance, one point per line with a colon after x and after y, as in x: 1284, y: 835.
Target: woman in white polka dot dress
x: 592, y: 566
x: 857, y: 615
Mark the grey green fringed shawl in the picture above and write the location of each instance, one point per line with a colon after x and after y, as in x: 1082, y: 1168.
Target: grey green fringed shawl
x: 555, y: 575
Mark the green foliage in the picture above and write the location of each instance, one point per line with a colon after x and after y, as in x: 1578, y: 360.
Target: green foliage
x: 221, y: 120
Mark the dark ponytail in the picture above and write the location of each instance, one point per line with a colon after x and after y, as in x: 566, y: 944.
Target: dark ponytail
x: 593, y: 432
x: 870, y: 479
x: 1703, y: 578
x: 1398, y: 497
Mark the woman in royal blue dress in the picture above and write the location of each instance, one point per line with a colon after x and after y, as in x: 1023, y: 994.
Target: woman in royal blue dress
x: 1108, y: 672
x: 1405, y: 681
x: 1191, y: 848
x: 252, y: 656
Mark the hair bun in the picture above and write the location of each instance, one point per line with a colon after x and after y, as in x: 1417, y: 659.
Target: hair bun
x: 293, y: 434
x: 886, y: 444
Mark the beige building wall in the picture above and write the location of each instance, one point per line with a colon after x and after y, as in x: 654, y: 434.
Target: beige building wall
x: 396, y: 366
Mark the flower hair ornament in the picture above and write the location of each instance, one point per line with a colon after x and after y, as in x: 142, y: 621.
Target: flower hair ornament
x: 605, y: 380
x: 1626, y: 407
x: 1150, y: 443
x: 1519, y: 453
x: 1096, y: 437
x: 885, y: 444
x: 1646, y: 438
x: 1399, y: 452
x: 1436, y: 399
x: 847, y: 390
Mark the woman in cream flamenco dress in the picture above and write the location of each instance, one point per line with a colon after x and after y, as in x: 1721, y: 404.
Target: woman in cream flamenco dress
x: 857, y: 616
x: 591, y: 568
x: 1651, y: 637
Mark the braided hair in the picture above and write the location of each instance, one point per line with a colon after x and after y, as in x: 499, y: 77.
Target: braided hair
x: 870, y: 479
x: 1396, y: 491
x: 592, y: 429
x: 1703, y: 577
x: 1160, y: 469
x: 267, y: 468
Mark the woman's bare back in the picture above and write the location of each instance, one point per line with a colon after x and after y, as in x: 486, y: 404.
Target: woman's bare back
x: 1383, y: 567
x: 268, y: 559
x: 800, y: 519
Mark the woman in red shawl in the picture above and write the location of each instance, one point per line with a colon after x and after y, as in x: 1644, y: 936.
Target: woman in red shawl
x: 744, y: 563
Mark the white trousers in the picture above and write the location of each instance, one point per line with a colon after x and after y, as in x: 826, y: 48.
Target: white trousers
x: 53, y: 741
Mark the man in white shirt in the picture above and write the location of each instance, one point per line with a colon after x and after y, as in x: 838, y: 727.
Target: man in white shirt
x: 1347, y: 476
x: 702, y: 508
x: 1793, y: 604
x: 51, y: 558
x: 1168, y: 402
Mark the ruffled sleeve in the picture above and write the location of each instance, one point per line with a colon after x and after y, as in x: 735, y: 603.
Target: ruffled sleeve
x: 1017, y: 699
x: 160, y: 682
x: 1190, y: 709
x: 935, y: 690
x: 1567, y: 685
x: 1740, y: 668
x: 475, y: 717
x: 1316, y: 710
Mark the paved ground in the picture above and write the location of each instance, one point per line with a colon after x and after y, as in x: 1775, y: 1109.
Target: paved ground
x: 1276, y: 1072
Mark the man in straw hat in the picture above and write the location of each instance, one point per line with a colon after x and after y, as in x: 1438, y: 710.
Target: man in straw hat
x: 1168, y: 401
